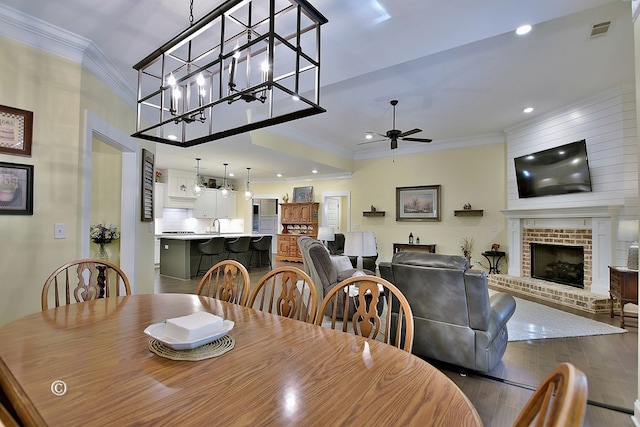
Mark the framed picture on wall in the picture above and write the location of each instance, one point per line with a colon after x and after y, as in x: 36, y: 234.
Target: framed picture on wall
x: 418, y: 203
x: 16, y: 128
x: 16, y: 189
x: 303, y: 194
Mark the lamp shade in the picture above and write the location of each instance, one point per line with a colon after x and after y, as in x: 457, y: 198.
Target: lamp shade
x: 360, y: 243
x: 628, y: 230
x: 326, y: 234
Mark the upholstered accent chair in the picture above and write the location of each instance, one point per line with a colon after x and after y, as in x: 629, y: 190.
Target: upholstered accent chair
x: 455, y: 319
x: 319, y: 266
x: 337, y: 248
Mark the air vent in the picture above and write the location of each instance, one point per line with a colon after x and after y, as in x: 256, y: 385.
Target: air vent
x: 600, y: 29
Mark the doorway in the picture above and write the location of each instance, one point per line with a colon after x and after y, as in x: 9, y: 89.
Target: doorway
x: 336, y: 211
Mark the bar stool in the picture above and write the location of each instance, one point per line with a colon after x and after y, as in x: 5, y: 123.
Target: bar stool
x: 261, y: 245
x: 238, y: 246
x: 212, y: 247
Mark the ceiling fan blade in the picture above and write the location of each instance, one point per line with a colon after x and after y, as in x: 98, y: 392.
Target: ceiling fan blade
x: 417, y: 139
x: 410, y: 132
x: 394, y: 144
x: 369, y: 142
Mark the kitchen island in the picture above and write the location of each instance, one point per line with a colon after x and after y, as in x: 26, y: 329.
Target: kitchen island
x: 179, y: 253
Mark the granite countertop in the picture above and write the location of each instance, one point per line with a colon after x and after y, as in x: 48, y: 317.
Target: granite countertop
x: 196, y: 236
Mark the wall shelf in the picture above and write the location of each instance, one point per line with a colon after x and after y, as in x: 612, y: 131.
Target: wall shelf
x: 469, y: 212
x: 376, y: 213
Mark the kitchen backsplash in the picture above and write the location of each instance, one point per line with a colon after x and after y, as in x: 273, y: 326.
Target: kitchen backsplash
x: 182, y: 220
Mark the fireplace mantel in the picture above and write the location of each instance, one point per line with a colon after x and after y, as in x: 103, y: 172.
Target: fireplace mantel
x: 600, y: 219
x: 577, y: 212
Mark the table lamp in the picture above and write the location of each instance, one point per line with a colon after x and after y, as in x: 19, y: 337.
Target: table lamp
x: 326, y: 234
x: 628, y: 232
x: 359, y: 244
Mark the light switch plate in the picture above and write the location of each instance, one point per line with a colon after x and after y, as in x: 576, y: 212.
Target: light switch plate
x: 59, y: 231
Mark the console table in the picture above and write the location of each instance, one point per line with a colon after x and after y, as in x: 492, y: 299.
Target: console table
x: 397, y: 247
x: 623, y: 286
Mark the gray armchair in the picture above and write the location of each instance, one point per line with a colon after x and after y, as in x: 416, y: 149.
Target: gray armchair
x: 455, y: 320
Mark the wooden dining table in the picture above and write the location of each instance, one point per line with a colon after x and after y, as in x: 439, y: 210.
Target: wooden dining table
x: 279, y: 372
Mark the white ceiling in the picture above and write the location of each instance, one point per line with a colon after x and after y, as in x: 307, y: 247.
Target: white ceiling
x: 456, y: 67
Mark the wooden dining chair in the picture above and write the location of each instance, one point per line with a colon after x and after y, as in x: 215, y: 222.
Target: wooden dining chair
x: 287, y: 291
x: 559, y: 401
x: 379, y: 308
x: 228, y: 281
x: 6, y: 419
x: 84, y: 280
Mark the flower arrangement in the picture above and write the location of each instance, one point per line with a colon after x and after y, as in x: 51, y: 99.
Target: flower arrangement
x: 158, y: 176
x: 466, y: 246
x: 101, y: 233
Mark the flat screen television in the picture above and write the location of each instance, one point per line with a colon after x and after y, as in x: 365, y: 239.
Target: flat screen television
x: 558, y: 170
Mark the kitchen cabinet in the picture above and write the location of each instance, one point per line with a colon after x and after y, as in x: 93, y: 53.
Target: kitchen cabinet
x: 297, y: 219
x: 226, y: 208
x: 206, y: 205
x: 179, y: 193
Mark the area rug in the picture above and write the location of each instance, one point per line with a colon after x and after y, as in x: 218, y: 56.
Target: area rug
x: 533, y: 321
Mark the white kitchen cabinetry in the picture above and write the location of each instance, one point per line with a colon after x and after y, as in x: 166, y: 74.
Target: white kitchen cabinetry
x: 158, y: 199
x: 206, y: 204
x: 226, y: 208
x: 179, y: 193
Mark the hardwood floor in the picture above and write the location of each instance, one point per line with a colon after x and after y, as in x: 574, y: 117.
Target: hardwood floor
x: 609, y: 361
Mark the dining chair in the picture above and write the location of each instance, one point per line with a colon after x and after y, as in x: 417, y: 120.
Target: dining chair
x: 6, y: 419
x: 393, y: 318
x: 559, y: 401
x: 228, y: 281
x: 289, y: 292
x: 212, y: 247
x: 84, y: 280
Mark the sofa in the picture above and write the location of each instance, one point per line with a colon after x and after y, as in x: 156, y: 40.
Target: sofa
x: 336, y: 247
x: 455, y: 320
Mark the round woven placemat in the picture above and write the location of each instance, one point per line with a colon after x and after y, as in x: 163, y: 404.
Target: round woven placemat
x: 206, y: 351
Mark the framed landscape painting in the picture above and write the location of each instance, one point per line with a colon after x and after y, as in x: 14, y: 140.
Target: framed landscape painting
x: 418, y: 203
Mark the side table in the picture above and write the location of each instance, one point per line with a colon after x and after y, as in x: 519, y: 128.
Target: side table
x: 494, y: 258
x: 623, y: 286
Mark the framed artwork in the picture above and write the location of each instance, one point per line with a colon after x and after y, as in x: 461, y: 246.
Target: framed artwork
x: 418, y: 203
x: 16, y: 129
x: 16, y: 189
x: 146, y: 204
x: 302, y: 194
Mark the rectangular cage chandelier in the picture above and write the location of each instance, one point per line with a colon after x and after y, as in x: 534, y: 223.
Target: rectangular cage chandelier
x: 246, y: 65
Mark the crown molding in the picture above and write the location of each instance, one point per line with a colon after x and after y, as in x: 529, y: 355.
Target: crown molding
x: 57, y: 41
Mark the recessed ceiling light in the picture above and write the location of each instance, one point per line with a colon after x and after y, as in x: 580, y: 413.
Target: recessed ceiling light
x: 172, y: 137
x: 279, y: 175
x: 231, y: 174
x: 528, y: 110
x: 522, y: 30
x: 368, y: 136
x: 314, y: 171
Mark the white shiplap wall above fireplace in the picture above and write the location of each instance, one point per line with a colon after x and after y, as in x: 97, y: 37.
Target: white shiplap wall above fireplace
x: 607, y: 123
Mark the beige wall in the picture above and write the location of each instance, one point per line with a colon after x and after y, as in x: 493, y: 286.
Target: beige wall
x: 473, y: 175
x: 59, y: 92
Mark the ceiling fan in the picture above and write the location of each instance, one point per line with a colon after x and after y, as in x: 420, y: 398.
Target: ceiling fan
x: 394, y: 134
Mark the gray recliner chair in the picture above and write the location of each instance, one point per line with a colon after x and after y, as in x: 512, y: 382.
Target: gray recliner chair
x: 455, y: 320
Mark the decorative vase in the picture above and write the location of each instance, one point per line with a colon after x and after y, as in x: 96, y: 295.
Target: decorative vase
x: 102, y: 250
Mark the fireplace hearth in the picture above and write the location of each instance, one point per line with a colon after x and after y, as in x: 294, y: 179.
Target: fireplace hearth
x: 558, y: 263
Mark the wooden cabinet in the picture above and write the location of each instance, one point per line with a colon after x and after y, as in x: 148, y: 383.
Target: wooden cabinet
x: 623, y: 286
x: 298, y: 219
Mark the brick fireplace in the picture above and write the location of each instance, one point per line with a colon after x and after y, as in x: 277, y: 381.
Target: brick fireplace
x: 588, y: 227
